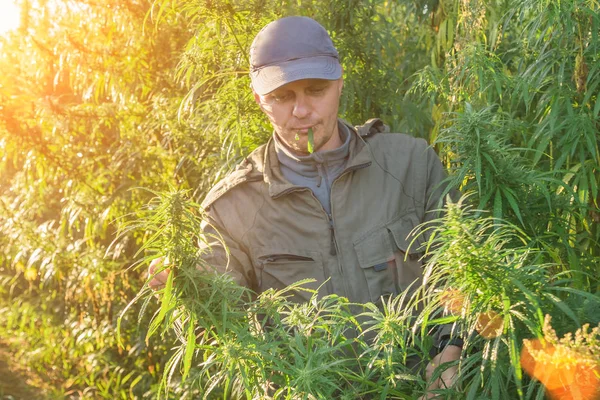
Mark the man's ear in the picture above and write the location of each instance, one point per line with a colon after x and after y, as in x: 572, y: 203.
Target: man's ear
x: 256, y: 97
x: 257, y: 100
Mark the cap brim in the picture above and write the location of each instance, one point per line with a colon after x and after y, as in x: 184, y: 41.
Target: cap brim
x: 267, y: 79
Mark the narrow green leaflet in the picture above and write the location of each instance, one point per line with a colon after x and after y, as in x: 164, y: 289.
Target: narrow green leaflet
x: 189, y: 348
x: 166, y: 305
x: 311, y: 141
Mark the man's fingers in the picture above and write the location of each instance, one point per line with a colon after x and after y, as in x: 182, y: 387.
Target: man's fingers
x: 158, y: 280
x: 432, y: 386
x: 156, y: 264
x: 448, y: 376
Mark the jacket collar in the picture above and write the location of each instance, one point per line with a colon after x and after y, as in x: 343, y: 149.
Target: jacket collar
x: 359, y: 156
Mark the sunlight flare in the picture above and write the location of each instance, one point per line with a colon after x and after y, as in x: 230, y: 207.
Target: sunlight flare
x: 10, y: 16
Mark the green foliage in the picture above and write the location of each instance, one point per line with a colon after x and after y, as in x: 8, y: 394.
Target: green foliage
x: 517, y: 118
x: 100, y: 99
x: 235, y: 345
x: 76, y: 136
x: 491, y: 270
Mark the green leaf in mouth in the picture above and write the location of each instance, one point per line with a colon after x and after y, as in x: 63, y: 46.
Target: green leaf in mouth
x: 311, y: 141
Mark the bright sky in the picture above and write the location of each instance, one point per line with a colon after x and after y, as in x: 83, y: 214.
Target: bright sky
x: 9, y: 16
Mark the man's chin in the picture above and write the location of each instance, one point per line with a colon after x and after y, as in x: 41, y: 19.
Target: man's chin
x: 300, y: 151
x: 297, y: 147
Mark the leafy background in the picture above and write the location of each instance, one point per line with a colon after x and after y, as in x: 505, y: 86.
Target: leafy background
x: 101, y: 99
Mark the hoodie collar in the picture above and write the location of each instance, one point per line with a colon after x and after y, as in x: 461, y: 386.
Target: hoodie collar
x: 358, y: 157
x: 307, y: 166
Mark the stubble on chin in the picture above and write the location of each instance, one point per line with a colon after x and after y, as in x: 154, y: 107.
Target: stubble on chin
x: 290, y: 144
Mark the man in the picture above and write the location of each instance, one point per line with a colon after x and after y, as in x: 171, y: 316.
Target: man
x: 341, y: 214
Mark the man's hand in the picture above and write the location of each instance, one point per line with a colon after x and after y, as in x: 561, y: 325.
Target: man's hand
x: 448, y: 376
x: 159, y: 280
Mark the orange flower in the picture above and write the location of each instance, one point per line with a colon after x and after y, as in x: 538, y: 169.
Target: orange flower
x: 566, y: 374
x: 453, y: 301
x: 489, y: 324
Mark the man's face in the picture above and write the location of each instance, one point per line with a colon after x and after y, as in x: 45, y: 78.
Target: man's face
x: 297, y: 106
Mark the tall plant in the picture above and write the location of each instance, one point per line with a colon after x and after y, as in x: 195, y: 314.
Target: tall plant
x: 516, y: 116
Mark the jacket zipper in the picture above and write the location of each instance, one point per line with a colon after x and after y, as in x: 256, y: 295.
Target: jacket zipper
x: 332, y: 249
x: 330, y: 216
x: 333, y: 243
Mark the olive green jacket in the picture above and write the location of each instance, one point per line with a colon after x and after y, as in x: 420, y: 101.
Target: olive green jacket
x: 277, y: 233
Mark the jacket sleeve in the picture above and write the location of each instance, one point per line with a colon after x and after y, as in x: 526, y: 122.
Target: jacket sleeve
x: 222, y: 252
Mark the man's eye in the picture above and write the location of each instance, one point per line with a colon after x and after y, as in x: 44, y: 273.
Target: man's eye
x: 316, y: 90
x: 280, y: 98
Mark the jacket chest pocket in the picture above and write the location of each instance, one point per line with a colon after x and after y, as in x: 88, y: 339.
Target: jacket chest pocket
x: 388, y: 260
x: 279, y: 268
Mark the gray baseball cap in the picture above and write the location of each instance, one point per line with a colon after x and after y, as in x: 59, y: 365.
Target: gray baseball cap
x: 290, y: 49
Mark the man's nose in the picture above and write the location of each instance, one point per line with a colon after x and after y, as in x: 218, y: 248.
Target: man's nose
x: 301, y: 107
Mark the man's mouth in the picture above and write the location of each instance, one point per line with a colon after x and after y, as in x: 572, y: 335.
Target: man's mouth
x: 303, y: 130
